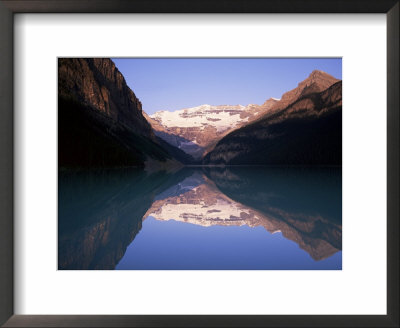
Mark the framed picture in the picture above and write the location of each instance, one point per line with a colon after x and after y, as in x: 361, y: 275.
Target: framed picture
x: 189, y: 164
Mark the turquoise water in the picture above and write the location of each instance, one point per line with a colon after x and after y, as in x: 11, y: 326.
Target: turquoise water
x: 236, y: 218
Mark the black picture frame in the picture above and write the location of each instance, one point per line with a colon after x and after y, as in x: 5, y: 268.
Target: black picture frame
x: 10, y: 7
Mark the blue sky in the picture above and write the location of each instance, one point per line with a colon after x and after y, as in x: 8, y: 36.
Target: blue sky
x: 175, y: 83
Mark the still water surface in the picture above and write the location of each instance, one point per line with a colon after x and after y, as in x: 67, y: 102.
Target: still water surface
x: 201, y: 218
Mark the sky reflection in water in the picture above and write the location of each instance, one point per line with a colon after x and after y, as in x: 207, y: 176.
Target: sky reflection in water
x: 204, y: 218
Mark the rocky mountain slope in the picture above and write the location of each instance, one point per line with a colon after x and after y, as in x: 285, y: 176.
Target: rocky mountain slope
x: 98, y: 84
x: 196, y: 130
x: 304, y: 127
x: 317, y: 81
x: 100, y: 119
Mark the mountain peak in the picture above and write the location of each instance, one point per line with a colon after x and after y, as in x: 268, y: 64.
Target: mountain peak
x: 318, y: 72
x: 270, y: 102
x: 317, y: 75
x: 317, y: 81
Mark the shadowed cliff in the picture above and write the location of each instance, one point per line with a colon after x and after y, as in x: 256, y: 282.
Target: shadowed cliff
x: 100, y: 120
x: 304, y: 128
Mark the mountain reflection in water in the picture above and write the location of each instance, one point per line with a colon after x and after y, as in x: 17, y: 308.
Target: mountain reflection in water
x: 201, y: 218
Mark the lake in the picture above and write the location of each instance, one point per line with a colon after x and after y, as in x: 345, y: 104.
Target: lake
x: 201, y: 218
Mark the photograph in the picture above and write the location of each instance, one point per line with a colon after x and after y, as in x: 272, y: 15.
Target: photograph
x: 154, y: 154
x: 199, y: 163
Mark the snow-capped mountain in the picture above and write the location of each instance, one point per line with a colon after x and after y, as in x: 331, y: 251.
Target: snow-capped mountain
x: 220, y: 117
x: 196, y: 130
